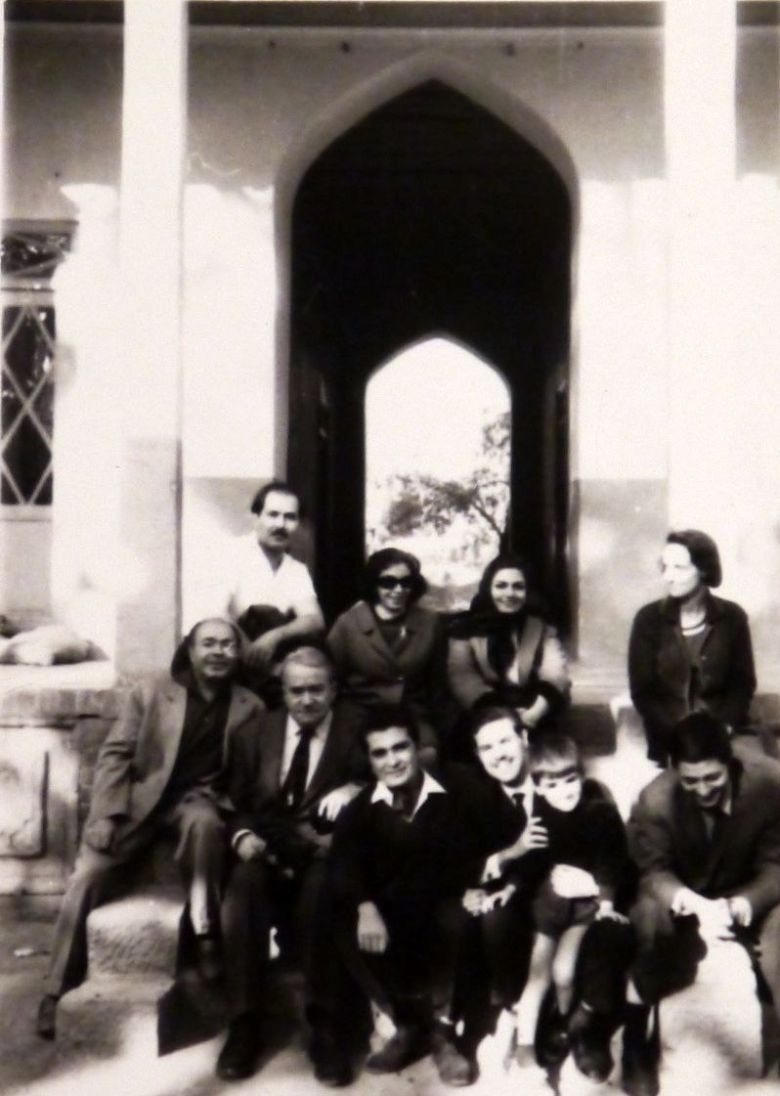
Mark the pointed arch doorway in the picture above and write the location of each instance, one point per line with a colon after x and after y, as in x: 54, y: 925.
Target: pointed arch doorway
x: 429, y: 216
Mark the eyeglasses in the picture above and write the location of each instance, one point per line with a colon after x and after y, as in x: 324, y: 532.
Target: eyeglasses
x: 390, y: 582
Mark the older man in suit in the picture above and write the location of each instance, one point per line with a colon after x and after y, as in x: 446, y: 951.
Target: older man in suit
x: 181, y: 759
x: 706, y: 837
x: 309, y: 768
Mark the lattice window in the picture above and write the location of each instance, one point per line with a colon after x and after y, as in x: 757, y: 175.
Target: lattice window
x: 27, y: 418
x: 29, y: 257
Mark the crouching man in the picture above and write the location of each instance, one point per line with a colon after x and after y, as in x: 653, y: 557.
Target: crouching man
x: 391, y: 919
x: 706, y: 837
x: 180, y: 759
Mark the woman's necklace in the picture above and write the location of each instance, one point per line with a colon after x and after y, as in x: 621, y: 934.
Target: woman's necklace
x: 693, y: 615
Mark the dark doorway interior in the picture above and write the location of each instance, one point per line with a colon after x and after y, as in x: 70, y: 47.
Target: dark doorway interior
x: 430, y: 216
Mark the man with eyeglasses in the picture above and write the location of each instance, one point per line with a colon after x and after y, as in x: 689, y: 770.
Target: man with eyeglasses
x: 706, y: 837
x: 181, y: 759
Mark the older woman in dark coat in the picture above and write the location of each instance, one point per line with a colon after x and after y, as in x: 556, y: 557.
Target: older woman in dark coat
x: 690, y: 651
x: 503, y: 649
x: 387, y: 649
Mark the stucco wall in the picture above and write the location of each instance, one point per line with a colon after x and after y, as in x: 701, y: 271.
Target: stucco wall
x: 262, y: 104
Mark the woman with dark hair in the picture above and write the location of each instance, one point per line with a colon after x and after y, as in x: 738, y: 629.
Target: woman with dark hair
x: 690, y: 651
x: 502, y: 649
x: 387, y: 649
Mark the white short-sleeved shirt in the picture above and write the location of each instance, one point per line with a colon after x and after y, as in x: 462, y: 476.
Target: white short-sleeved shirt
x: 253, y: 581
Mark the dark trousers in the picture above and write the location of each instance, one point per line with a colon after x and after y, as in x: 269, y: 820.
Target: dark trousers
x: 493, y: 966
x: 258, y: 898
x: 413, y: 980
x: 670, y: 949
x: 100, y: 876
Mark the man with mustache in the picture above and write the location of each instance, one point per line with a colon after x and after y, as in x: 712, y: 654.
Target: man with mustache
x: 270, y: 594
x: 180, y: 759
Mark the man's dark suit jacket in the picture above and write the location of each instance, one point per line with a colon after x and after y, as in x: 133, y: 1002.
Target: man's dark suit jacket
x: 668, y: 839
x: 292, y: 835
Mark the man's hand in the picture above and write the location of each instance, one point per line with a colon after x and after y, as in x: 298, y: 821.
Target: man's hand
x: 570, y: 882
x: 260, y: 652
x: 714, y: 914
x: 473, y: 900
x: 371, y: 929
x: 332, y: 804
x: 534, y: 836
x: 99, y: 835
x: 741, y: 910
x: 250, y: 847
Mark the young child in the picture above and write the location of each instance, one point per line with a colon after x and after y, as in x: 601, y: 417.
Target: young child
x: 586, y: 856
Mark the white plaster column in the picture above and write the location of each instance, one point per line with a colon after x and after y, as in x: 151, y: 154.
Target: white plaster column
x: 150, y: 250
x: 704, y: 379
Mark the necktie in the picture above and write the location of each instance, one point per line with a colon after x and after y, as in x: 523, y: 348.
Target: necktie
x: 295, y: 782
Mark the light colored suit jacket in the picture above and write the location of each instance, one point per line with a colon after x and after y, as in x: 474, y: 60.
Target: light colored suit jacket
x: 137, y: 757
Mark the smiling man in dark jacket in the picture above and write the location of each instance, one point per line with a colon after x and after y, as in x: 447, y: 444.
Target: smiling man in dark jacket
x: 706, y: 837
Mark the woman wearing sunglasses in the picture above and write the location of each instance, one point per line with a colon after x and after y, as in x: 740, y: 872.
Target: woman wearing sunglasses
x: 387, y: 649
x: 502, y: 649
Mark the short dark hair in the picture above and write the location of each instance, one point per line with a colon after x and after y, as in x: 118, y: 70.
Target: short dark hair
x: 699, y: 737
x: 258, y: 502
x: 491, y: 711
x: 703, y: 552
x: 551, y: 751
x: 387, y: 716
x: 381, y: 561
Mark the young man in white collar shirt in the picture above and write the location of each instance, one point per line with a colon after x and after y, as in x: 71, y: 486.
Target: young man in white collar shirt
x: 392, y: 917
x: 308, y: 762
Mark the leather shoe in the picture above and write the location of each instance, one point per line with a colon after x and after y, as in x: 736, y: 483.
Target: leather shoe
x: 453, y: 1067
x: 238, y: 1057
x: 552, y: 1037
x: 46, y: 1020
x: 209, y: 958
x: 331, y: 1064
x: 641, y: 1051
x: 409, y: 1044
x: 590, y: 1035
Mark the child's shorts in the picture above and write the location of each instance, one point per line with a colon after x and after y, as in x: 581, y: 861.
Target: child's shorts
x: 553, y: 915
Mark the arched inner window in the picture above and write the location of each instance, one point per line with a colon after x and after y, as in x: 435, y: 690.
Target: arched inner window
x: 438, y: 435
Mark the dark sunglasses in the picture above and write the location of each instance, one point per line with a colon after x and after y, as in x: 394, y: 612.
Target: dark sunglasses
x: 390, y: 582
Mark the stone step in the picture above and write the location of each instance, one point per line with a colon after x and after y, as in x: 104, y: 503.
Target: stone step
x: 136, y: 934
x: 106, y: 1013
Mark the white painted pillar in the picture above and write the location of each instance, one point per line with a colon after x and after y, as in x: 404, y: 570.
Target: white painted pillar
x: 704, y: 380
x: 150, y: 251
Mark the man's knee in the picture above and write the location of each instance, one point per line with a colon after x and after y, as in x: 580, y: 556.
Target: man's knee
x: 200, y: 821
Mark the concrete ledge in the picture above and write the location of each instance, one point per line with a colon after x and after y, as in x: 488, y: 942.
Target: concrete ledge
x: 35, y: 695
x: 136, y: 935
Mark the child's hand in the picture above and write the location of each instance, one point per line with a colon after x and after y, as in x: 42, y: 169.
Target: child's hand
x: 607, y: 912
x: 498, y: 899
x: 534, y: 836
